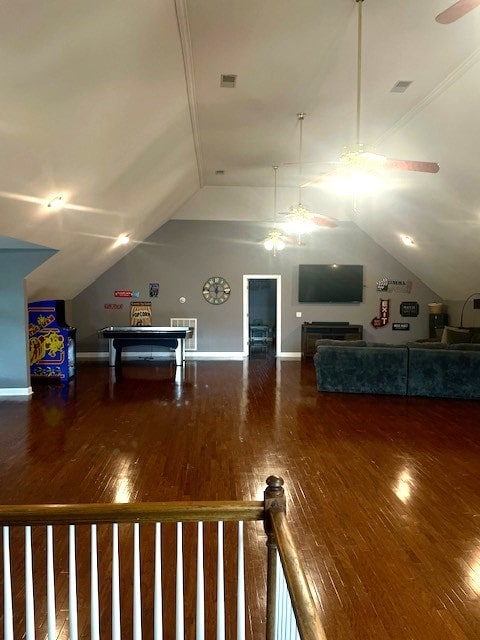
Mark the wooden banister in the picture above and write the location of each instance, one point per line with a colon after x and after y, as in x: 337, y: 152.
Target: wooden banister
x: 306, y: 614
x: 130, y: 512
x: 279, y: 538
x: 286, y: 580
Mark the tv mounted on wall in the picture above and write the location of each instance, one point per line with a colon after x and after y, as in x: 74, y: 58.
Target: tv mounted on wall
x: 330, y: 283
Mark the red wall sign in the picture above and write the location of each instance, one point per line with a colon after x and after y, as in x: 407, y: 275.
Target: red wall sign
x: 113, y: 305
x: 122, y: 293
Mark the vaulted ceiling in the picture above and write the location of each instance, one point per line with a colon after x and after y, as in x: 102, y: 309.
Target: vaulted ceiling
x: 117, y: 105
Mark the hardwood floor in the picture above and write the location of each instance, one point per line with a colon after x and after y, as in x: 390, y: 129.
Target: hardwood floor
x: 383, y: 492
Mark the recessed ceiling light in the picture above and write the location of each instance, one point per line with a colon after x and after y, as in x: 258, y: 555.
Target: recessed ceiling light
x: 123, y: 239
x: 408, y: 241
x: 56, y: 203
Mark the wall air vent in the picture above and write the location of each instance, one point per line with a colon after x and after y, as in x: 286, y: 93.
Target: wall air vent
x: 219, y: 172
x: 190, y: 343
x: 228, y: 80
x: 401, y: 86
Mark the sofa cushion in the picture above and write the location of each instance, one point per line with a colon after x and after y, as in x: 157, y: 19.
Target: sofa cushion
x: 386, y: 345
x: 454, y: 335
x: 465, y: 346
x: 427, y: 345
x: 328, y: 342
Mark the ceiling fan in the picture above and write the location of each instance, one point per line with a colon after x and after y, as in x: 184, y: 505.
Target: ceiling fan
x: 299, y: 219
x: 360, y: 161
x: 276, y: 240
x: 456, y: 11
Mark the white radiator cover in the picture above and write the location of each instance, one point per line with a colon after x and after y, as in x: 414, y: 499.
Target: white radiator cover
x: 190, y: 343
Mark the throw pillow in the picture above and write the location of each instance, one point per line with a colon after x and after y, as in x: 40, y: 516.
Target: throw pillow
x: 454, y: 335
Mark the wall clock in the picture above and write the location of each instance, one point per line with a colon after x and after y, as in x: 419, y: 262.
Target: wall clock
x: 216, y: 290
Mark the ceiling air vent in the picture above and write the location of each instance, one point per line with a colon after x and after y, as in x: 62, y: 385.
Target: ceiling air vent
x: 228, y: 80
x: 219, y: 172
x: 401, y: 86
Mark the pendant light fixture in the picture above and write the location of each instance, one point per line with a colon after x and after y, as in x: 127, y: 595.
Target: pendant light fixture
x: 274, y: 240
x: 300, y: 220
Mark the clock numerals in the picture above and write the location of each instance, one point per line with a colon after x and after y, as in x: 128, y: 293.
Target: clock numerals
x: 216, y: 290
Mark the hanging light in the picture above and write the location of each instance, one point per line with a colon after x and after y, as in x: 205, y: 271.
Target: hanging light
x: 274, y: 240
x: 300, y: 220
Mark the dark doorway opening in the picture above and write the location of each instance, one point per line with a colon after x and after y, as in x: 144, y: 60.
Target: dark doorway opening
x: 262, y: 316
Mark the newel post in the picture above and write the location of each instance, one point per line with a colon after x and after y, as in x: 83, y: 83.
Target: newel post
x: 274, y: 497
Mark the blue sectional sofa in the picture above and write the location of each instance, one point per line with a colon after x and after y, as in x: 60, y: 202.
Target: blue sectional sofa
x: 416, y: 369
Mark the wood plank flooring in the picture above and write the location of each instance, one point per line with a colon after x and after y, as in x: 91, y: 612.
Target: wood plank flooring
x: 383, y: 492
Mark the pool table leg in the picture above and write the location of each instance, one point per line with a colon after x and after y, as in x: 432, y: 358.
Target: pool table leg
x: 180, y: 352
x: 111, y: 353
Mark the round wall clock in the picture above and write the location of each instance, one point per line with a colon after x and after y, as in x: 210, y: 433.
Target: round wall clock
x: 216, y: 290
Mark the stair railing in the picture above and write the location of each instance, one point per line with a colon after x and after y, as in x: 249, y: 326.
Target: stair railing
x: 148, y: 570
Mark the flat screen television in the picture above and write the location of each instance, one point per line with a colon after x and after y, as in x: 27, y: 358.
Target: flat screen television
x: 330, y: 283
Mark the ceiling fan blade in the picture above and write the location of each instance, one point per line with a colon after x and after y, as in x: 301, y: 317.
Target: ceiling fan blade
x: 456, y: 11
x: 411, y: 165
x: 289, y: 164
x: 324, y: 221
x: 319, y: 178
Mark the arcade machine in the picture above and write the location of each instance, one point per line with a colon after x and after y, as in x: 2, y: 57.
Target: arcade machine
x: 51, y: 341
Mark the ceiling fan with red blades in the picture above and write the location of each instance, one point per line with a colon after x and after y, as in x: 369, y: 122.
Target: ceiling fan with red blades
x: 457, y: 11
x: 360, y: 156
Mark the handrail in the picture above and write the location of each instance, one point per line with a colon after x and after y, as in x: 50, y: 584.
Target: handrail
x: 280, y: 539
x: 209, y: 511
x: 306, y: 614
x: 280, y: 543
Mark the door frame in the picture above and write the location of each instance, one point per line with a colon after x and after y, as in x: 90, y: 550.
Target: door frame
x: 278, y: 331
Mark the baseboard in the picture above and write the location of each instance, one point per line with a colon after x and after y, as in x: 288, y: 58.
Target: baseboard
x: 290, y: 354
x: 189, y: 355
x: 16, y: 392
x: 92, y: 355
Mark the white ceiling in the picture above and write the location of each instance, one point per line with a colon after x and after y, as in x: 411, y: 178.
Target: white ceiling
x: 117, y: 104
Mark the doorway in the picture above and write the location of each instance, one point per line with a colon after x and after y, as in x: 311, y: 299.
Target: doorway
x: 262, y: 314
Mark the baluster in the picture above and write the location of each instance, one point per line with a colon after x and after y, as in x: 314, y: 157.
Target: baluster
x: 220, y: 585
x: 7, y: 589
x: 157, y: 595
x: 200, y: 585
x: 29, y: 596
x: 72, y: 585
x: 179, y: 611
x: 279, y: 603
x: 116, y: 627
x: 137, y: 596
x: 240, y: 585
x: 51, y: 616
x: 95, y: 622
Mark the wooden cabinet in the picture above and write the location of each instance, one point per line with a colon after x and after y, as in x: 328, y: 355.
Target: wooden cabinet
x: 313, y: 331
